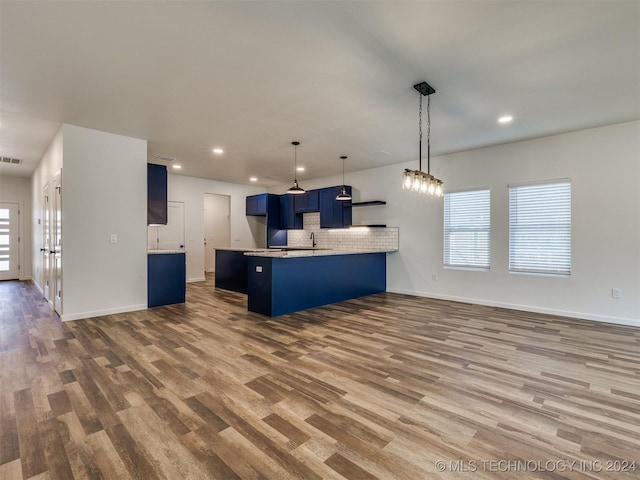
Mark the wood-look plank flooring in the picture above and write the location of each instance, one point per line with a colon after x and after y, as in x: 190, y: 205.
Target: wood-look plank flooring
x: 382, y: 387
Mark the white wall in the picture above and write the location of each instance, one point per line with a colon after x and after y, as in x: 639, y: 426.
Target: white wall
x: 191, y: 191
x: 603, y: 164
x: 104, y: 192
x: 49, y: 166
x: 18, y: 190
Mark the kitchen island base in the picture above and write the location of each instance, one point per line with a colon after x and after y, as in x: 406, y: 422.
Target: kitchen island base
x: 277, y: 286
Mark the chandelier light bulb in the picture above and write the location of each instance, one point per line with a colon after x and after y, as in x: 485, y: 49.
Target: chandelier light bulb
x: 406, y: 182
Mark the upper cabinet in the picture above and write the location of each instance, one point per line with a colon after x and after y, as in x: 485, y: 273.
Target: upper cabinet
x: 156, y: 194
x: 289, y: 219
x: 308, y: 202
x: 334, y: 213
x: 284, y: 212
x: 268, y: 205
x: 257, y: 204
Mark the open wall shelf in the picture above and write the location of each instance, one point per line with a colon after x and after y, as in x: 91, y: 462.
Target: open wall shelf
x: 369, y: 203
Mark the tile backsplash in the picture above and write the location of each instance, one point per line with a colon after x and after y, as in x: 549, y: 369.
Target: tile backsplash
x: 365, y: 238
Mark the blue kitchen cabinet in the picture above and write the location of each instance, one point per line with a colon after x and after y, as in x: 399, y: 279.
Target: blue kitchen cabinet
x: 257, y: 204
x: 268, y: 205
x: 308, y: 202
x: 166, y: 279
x: 277, y: 286
x: 231, y: 270
x: 289, y: 219
x: 156, y: 194
x: 334, y: 213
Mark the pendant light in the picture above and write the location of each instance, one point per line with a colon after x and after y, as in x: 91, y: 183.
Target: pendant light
x: 417, y: 180
x: 343, y: 196
x: 295, y: 189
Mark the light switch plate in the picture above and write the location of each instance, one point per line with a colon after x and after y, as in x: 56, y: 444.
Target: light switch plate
x: 259, y: 268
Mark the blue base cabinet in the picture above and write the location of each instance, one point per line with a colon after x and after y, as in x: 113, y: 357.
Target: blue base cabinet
x: 277, y: 286
x: 231, y: 270
x: 166, y: 279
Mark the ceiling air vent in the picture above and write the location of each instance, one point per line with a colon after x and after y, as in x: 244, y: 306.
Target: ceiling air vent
x: 12, y: 161
x: 165, y: 158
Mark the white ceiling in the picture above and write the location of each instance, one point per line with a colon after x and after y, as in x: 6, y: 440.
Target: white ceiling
x: 250, y: 77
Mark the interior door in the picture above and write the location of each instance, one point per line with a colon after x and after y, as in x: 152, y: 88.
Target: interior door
x: 56, y: 237
x: 171, y: 235
x: 217, y: 229
x: 9, y: 241
x: 46, y: 247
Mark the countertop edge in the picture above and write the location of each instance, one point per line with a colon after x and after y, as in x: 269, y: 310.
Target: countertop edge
x: 164, y: 252
x: 312, y: 253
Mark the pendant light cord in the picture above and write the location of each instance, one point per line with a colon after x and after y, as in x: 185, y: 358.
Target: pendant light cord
x: 428, y: 133
x: 343, y: 159
x: 295, y: 163
x: 420, y: 136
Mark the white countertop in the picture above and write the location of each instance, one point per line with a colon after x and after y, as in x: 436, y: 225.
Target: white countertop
x: 311, y: 253
x: 160, y: 252
x: 230, y: 249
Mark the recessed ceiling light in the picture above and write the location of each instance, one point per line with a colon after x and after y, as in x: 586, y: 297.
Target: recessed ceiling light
x: 505, y: 119
x: 218, y: 151
x: 300, y: 169
x: 253, y: 179
x: 177, y: 167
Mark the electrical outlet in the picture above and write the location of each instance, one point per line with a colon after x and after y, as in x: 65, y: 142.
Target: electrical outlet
x: 616, y: 293
x: 259, y: 268
x: 114, y: 238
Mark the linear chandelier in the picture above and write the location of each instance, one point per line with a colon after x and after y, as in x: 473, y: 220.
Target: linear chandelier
x: 417, y: 180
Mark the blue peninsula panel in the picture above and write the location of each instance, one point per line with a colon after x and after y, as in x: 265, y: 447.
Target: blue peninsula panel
x: 231, y: 270
x: 277, y: 286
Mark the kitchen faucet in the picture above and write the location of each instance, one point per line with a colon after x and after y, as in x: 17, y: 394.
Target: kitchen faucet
x: 313, y: 241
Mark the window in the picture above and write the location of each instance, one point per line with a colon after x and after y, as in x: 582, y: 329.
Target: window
x: 467, y: 229
x: 540, y: 228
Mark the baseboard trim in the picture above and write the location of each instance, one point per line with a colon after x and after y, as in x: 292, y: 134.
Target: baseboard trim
x: 197, y: 279
x: 631, y: 322
x: 66, y: 317
x: 35, y: 284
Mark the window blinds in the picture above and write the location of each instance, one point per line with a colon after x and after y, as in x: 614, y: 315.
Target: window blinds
x: 540, y: 228
x: 467, y: 229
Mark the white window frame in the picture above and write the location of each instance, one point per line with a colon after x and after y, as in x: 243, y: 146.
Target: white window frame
x: 476, y: 222
x: 540, y: 229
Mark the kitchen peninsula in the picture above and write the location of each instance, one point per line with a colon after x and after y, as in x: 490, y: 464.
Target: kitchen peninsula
x: 319, y: 257
x: 281, y: 282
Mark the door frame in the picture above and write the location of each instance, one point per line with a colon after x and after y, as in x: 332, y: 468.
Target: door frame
x: 45, y: 246
x: 56, y: 222
x: 20, y: 237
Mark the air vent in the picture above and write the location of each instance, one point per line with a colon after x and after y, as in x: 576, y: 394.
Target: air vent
x: 165, y: 158
x: 12, y: 161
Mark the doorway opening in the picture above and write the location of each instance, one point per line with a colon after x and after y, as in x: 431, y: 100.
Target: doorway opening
x: 217, y: 227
